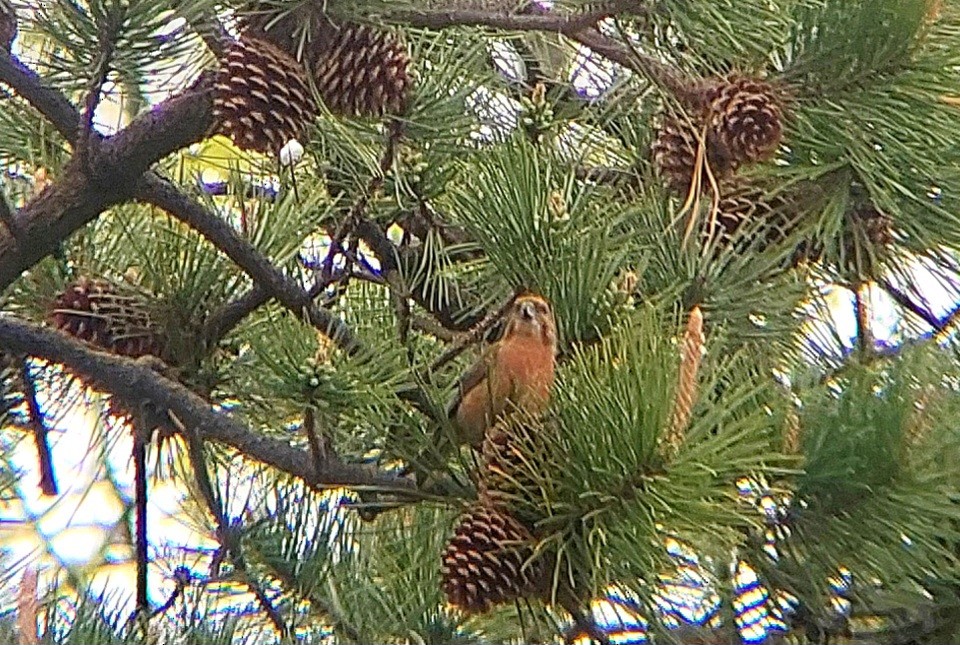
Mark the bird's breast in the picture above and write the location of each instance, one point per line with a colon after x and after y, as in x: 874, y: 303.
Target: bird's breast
x: 529, y: 365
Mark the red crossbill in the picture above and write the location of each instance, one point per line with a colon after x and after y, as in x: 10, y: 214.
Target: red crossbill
x: 516, y: 371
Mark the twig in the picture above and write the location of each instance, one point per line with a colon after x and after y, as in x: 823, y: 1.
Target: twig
x: 181, y: 577
x: 134, y: 382
x: 912, y: 306
x: 583, y: 623
x: 576, y: 27
x: 7, y: 219
x: 48, y: 101
x: 228, y: 533
x: 105, y: 48
x: 865, y: 339
x: 433, y: 328
x: 453, y: 314
x: 223, y: 320
x: 140, y: 486
x: 561, y: 24
x: 48, y: 478
x: 319, y: 448
x: 472, y: 336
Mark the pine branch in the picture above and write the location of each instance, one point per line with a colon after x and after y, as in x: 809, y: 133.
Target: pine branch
x: 578, y: 27
x: 6, y: 217
x: 142, y: 542
x: 105, y: 46
x: 48, y: 101
x: 228, y: 533
x: 181, y: 577
x: 917, y: 309
x: 109, y: 177
x: 139, y: 385
x: 472, y: 336
x: 222, y: 321
x: 440, y: 19
x: 163, y: 194
x: 866, y: 343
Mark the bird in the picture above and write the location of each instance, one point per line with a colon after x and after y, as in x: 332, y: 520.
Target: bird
x: 515, y: 372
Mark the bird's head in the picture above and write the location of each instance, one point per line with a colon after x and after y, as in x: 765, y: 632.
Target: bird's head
x: 531, y: 316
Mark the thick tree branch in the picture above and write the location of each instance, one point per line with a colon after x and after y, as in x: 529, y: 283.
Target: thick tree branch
x: 86, y: 190
x: 48, y: 101
x: 442, y: 19
x: 579, y: 27
x: 163, y: 194
x: 137, y: 383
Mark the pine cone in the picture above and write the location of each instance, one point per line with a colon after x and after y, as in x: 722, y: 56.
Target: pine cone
x: 743, y: 205
x: 675, y: 155
x: 750, y: 218
x: 360, y: 70
x: 483, y: 564
x: 511, y: 455
x: 9, y: 391
x: 877, y: 227
x: 745, y: 119
x: 8, y: 25
x: 868, y: 234
x: 95, y: 311
x: 261, y: 98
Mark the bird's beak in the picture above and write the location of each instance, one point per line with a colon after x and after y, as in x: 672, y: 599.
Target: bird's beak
x: 527, y: 310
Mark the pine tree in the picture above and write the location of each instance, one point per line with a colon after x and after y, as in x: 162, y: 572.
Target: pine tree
x: 256, y: 243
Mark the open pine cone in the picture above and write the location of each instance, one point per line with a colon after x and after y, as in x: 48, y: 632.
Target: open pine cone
x: 95, y: 312
x: 483, y: 564
x: 358, y: 70
x: 261, y: 98
x: 675, y: 154
x: 745, y: 117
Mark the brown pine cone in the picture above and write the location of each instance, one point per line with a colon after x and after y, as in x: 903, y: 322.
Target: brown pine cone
x: 95, y: 311
x: 483, y: 564
x: 261, y: 98
x: 745, y: 116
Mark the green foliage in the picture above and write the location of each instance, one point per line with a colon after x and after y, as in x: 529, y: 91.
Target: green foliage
x: 542, y: 230
x: 878, y: 486
x: 133, y: 36
x: 387, y: 586
x: 490, y: 188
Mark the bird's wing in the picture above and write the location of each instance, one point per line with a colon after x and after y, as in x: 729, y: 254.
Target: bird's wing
x: 471, y: 378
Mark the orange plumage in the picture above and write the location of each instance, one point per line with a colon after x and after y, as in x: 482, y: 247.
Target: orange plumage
x: 517, y: 371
